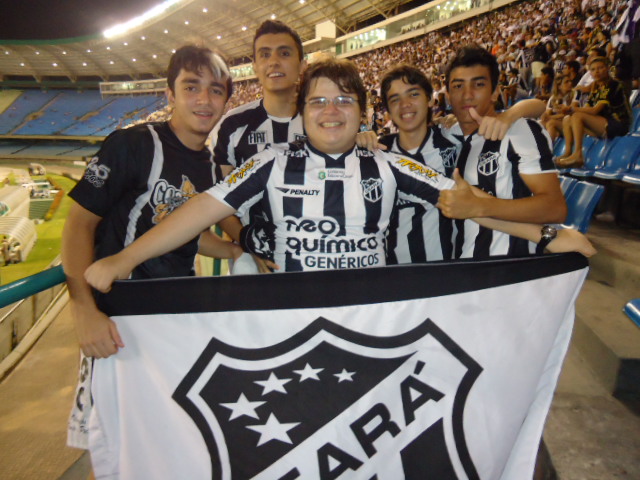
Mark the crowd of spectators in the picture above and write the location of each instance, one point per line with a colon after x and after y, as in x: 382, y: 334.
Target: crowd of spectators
x: 534, y: 41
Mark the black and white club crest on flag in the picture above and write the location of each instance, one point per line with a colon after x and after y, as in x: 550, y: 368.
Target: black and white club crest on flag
x: 382, y: 407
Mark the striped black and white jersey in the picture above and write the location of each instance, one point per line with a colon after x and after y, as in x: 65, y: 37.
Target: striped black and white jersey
x: 139, y: 176
x: 329, y: 213
x: 249, y: 129
x: 495, y: 166
x: 418, y: 232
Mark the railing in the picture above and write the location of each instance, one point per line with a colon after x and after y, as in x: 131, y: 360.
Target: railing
x: 32, y: 297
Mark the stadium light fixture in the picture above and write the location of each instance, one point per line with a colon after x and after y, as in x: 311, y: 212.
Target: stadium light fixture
x: 273, y: 16
x: 135, y: 22
x: 204, y: 10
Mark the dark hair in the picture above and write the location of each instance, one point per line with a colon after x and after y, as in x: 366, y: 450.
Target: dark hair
x: 342, y: 72
x: 573, y: 65
x: 276, y: 26
x: 409, y: 75
x: 604, y: 60
x: 192, y: 58
x: 547, y: 71
x: 470, y: 56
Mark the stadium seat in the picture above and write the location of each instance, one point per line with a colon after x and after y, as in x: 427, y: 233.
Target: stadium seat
x: 635, y: 121
x: 633, y: 176
x: 581, y: 203
x: 620, y: 159
x: 594, y: 157
x: 558, y: 147
x: 632, y: 309
x: 567, y: 184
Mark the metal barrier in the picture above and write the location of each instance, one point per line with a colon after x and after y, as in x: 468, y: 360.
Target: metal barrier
x: 32, y: 296
x: 23, y: 288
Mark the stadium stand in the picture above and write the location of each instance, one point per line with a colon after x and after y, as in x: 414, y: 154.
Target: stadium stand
x: 29, y: 103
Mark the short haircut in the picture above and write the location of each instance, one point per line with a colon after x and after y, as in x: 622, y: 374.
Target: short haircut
x: 276, y: 26
x: 342, y: 72
x: 409, y: 75
x: 470, y: 56
x: 548, y: 71
x: 599, y: 59
x: 193, y: 58
x: 573, y: 65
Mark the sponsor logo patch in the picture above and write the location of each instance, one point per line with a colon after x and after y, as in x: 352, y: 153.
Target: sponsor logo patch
x: 330, y: 403
x: 240, y: 172
x: 96, y: 174
x: 258, y: 137
x: 299, y: 192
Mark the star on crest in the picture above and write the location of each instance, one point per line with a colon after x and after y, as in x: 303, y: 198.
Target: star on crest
x: 242, y: 407
x: 273, y: 384
x: 308, y: 372
x: 344, y: 376
x: 273, y: 430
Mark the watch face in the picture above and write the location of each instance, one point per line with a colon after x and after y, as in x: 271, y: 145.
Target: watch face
x: 549, y: 232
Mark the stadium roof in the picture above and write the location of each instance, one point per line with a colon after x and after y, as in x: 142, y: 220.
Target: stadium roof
x: 143, y: 51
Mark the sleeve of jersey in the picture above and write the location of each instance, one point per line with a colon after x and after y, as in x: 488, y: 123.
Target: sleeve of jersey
x: 416, y: 182
x: 221, y: 144
x: 532, y: 146
x: 113, y: 171
x: 245, y: 186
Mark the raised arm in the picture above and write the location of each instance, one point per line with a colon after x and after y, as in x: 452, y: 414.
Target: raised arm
x: 182, y: 225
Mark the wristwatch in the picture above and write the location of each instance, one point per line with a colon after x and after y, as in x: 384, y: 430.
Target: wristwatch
x: 548, y: 234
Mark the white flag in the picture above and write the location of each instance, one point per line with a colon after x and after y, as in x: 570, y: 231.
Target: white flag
x: 442, y: 370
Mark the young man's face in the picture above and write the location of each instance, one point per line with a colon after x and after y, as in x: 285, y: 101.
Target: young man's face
x: 198, y: 101
x: 599, y: 71
x: 276, y: 62
x: 408, y: 106
x: 471, y: 87
x: 331, y: 129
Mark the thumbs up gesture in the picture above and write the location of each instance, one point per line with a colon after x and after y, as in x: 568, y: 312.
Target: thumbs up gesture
x: 492, y: 128
x: 459, y: 203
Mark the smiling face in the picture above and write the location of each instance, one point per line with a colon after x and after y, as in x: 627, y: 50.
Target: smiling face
x: 198, y: 100
x: 471, y: 87
x: 330, y: 129
x: 276, y: 62
x: 408, y: 106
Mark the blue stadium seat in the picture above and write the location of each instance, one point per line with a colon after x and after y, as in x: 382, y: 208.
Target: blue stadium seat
x: 620, y: 158
x: 635, y: 121
x: 594, y: 157
x: 558, y: 147
x: 632, y: 309
x: 567, y: 184
x: 581, y: 203
x: 633, y: 176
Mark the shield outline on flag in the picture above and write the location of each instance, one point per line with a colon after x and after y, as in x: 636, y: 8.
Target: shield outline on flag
x: 322, y: 325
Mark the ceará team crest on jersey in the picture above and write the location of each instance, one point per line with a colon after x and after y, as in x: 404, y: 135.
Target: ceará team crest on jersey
x: 382, y: 406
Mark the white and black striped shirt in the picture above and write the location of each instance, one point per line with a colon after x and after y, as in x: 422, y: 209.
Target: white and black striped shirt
x: 419, y: 232
x: 495, y: 167
x: 329, y: 213
x: 249, y: 129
